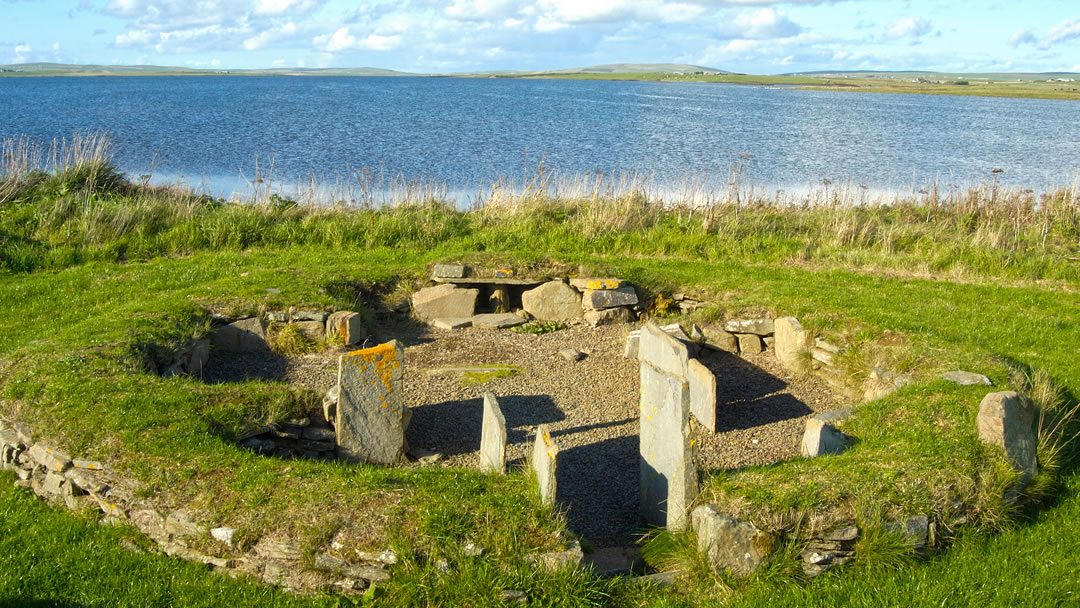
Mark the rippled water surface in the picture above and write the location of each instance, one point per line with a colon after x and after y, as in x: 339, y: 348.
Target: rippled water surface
x: 467, y: 133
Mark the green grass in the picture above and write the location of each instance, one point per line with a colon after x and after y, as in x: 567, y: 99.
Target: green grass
x: 98, y: 272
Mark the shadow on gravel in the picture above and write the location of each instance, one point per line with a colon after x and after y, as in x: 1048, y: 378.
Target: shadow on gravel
x: 453, y: 427
x: 599, y: 486
x: 748, y: 396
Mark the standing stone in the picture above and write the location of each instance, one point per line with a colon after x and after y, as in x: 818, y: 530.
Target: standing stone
x: 1007, y: 420
x: 730, y: 544
x: 552, y: 301
x: 493, y: 437
x: 545, y: 456
x: 749, y: 344
x: 346, y: 326
x: 609, y: 298
x: 449, y: 271
x: 668, y: 474
x: 444, y: 301
x: 702, y: 394
x: 759, y: 327
x: 243, y: 336
x: 371, y: 415
x: 820, y: 438
x: 791, y: 343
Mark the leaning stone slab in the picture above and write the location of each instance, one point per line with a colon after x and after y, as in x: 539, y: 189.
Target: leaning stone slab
x: 497, y: 320
x: 759, y: 327
x: 552, y: 301
x: 967, y: 378
x: 493, y: 437
x: 371, y: 414
x: 243, y: 336
x: 791, y: 343
x: 444, y: 301
x: 668, y: 476
x: 821, y: 438
x: 702, y: 384
x: 584, y: 284
x: 730, y: 544
x: 1007, y: 420
x: 452, y: 324
x: 449, y: 271
x: 545, y: 456
x: 346, y: 326
x: 609, y: 298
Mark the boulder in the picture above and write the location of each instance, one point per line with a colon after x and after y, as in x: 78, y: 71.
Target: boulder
x: 759, y: 327
x: 609, y: 298
x: 730, y: 544
x: 791, y: 343
x: 444, y: 301
x: 552, y: 301
x: 243, y: 336
x: 1007, y: 420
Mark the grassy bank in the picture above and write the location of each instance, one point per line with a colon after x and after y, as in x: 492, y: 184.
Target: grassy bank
x: 95, y: 268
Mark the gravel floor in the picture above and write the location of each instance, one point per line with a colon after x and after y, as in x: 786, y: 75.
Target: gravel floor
x: 591, y: 406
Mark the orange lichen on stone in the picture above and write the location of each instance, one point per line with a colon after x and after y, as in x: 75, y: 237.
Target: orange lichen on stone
x: 383, y: 357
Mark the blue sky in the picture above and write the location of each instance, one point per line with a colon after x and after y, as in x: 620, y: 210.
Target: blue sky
x: 755, y: 36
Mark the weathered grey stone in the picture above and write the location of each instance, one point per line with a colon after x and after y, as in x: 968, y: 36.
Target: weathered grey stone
x: 148, y: 521
x: 25, y: 433
x: 821, y: 438
x: 571, y: 354
x: 844, y: 534
x: 835, y: 416
x: 730, y: 544
x: 567, y: 559
x: 87, y: 480
x: 278, y: 549
x: 545, y: 459
x: 243, y: 336
x: 52, y: 460
x: 608, y: 316
x: 371, y: 415
x: 513, y: 596
x: 584, y: 284
x: 504, y: 273
x: 444, y: 302
x: 314, y: 330
x: 668, y: 475
x: 330, y: 563
x: 224, y: 535
x: 720, y: 340
x: 967, y: 378
x: 493, y: 437
x: 552, y: 301
x: 346, y: 327
x: 609, y: 298
x: 181, y: 523
x: 749, y: 344
x: 662, y: 351
x: 316, y: 446
x: 424, y: 455
x: 1007, y: 420
x: 329, y: 403
x: 702, y: 383
x: 91, y: 465
x: 307, y: 315
x: 633, y: 340
x: 769, y: 341
x: 53, y: 483
x: 826, y: 346
x: 449, y: 271
x: 497, y: 320
x: 760, y: 327
x: 697, y: 335
x: 791, y: 342
x: 676, y: 331
x: 450, y: 324
x: 10, y: 437
x: 198, y: 358
x: 823, y: 356
x: 314, y: 433
x: 276, y: 316
x: 881, y: 382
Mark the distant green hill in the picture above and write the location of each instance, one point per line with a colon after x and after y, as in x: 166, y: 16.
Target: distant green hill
x: 634, y: 68
x: 936, y: 75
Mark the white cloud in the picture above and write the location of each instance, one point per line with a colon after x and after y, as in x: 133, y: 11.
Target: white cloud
x: 910, y: 26
x: 480, y: 10
x: 1022, y: 37
x: 265, y: 37
x: 1066, y: 30
x: 277, y: 7
x: 762, y: 24
x: 343, y: 40
x: 21, y: 51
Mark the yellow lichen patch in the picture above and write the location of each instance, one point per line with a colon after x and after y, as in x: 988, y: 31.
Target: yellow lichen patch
x: 383, y: 357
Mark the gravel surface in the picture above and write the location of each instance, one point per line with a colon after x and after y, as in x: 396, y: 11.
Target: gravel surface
x: 591, y: 406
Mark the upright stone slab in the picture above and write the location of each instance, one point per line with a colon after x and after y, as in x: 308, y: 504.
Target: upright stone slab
x: 493, y: 437
x: 791, y: 343
x: 1007, y: 420
x: 668, y: 474
x: 346, y: 326
x: 545, y: 457
x: 552, y: 301
x: 371, y: 416
x: 702, y: 384
x: 444, y: 301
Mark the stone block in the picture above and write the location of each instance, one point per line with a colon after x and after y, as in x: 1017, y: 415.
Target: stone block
x: 545, y: 460
x: 592, y: 283
x: 243, y: 336
x: 633, y: 341
x: 497, y: 320
x: 881, y: 382
x: 223, y: 535
x: 608, y: 316
x: 504, y: 273
x: 730, y: 544
x: 823, y: 356
x: 567, y: 559
x: 676, y: 331
x: 791, y: 343
x: 750, y: 344
x: 552, y: 301
x: 759, y: 327
x: 668, y: 476
x: 371, y: 414
x: 307, y: 315
x: 493, y: 437
x: 314, y: 433
x: 1007, y: 420
x: 52, y: 460
x: 609, y: 298
x: 443, y: 302
x: 720, y: 340
x: 967, y: 378
x: 451, y: 324
x: 702, y: 384
x: 826, y: 346
x: 660, y: 350
x: 449, y: 271
x: 90, y: 465
x: 53, y: 483
x: 347, y: 327
x: 314, y: 330
x: 821, y: 438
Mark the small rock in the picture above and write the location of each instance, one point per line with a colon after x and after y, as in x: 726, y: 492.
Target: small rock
x: 825, y: 346
x: 584, y: 284
x: 181, y: 523
x: 749, y: 344
x: 967, y: 378
x: 318, y: 434
x: 1007, y: 420
x: 224, y: 535
x: 424, y: 455
x: 633, y: 340
x: 498, y: 320
x: 346, y: 326
x: 504, y: 273
x: 472, y: 550
x: 453, y: 323
x: 559, y: 560
x: 449, y: 271
x: 329, y: 403
x: 442, y: 565
x: 511, y: 596
x: 720, y: 340
x: 571, y: 354
x: 273, y: 290
x: 822, y: 438
x: 728, y: 543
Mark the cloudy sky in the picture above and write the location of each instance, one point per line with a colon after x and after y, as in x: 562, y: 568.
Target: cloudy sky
x: 754, y: 36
